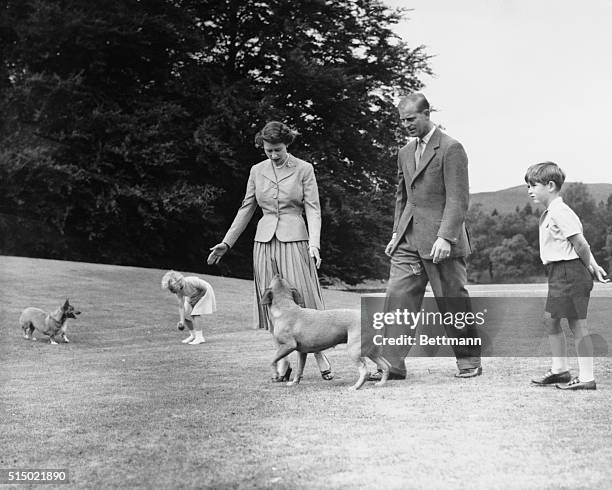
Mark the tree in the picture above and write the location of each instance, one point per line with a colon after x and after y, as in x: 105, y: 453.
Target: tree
x: 483, y: 237
x: 608, y: 249
x: 332, y: 71
x: 593, y: 218
x: 527, y: 210
x: 515, y: 259
x: 577, y: 196
x: 496, y: 242
x: 99, y: 139
x: 129, y: 124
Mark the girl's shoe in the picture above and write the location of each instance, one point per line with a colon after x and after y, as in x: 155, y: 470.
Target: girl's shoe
x: 198, y: 339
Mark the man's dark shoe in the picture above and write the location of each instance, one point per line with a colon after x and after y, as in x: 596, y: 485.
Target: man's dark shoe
x: 469, y: 372
x: 377, y: 376
x: 576, y: 384
x: 551, y: 378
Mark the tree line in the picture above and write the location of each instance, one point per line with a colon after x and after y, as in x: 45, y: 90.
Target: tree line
x: 127, y: 126
x: 506, y: 247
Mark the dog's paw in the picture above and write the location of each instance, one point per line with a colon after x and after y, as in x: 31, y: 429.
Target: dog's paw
x: 66, y: 341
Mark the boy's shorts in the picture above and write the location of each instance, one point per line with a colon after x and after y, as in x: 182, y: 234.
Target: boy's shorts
x: 569, y: 289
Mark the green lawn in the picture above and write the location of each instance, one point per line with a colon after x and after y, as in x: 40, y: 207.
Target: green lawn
x: 125, y: 404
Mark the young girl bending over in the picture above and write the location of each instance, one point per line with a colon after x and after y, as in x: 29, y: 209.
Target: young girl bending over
x: 196, y: 297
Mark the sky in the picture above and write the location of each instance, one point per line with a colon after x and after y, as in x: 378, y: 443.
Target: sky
x: 518, y: 82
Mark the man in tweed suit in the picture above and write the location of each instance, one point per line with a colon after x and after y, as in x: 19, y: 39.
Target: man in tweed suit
x: 429, y: 242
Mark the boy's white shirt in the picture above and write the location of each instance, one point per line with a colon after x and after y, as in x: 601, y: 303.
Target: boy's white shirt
x: 557, y: 224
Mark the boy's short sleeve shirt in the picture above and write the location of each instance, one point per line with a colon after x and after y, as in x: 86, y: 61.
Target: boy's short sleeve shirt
x: 557, y: 224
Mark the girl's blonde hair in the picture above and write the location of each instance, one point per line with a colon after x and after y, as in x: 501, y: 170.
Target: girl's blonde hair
x: 170, y: 277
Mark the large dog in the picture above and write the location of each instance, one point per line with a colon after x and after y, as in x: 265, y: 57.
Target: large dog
x: 307, y: 330
x: 50, y: 324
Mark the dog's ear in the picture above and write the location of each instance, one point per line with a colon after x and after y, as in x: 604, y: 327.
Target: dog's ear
x: 266, y: 299
x: 67, y: 303
x: 297, y: 297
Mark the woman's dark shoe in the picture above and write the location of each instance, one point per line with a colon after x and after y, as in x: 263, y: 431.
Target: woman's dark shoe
x: 285, y: 377
x: 327, y: 375
x: 377, y: 376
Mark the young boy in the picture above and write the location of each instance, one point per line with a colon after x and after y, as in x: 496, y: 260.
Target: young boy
x: 195, y: 298
x: 570, y: 265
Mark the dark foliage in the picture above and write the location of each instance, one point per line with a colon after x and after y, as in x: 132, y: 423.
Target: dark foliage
x: 127, y: 130
x: 506, y: 246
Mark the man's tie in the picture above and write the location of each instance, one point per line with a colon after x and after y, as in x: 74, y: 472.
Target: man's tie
x: 419, y: 152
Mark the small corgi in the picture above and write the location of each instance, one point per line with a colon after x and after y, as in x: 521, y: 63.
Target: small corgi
x: 49, y: 324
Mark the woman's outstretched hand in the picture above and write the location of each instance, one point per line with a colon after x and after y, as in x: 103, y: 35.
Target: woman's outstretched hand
x: 218, y: 251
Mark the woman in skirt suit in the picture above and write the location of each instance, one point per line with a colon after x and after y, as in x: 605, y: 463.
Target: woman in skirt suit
x: 285, y: 188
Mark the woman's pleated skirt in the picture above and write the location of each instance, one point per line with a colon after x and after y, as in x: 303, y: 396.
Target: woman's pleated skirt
x: 294, y: 264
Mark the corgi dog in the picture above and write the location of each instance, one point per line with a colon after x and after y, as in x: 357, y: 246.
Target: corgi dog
x: 50, y: 324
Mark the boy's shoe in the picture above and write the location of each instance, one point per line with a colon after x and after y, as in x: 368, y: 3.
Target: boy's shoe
x: 551, y: 378
x: 576, y: 384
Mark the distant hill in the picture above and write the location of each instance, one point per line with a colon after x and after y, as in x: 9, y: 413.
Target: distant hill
x: 507, y: 200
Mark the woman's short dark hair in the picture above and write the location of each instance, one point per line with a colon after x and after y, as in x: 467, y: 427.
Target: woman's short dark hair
x: 275, y: 132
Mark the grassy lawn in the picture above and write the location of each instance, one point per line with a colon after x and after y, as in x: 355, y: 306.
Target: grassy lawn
x: 125, y: 404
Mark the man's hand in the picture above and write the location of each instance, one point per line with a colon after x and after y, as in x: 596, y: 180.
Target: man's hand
x: 390, y: 245
x: 440, y: 250
x: 314, y: 253
x: 218, y: 251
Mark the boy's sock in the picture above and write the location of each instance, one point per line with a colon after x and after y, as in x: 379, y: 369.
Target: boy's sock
x: 584, y: 349
x: 585, y: 367
x: 559, y: 353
